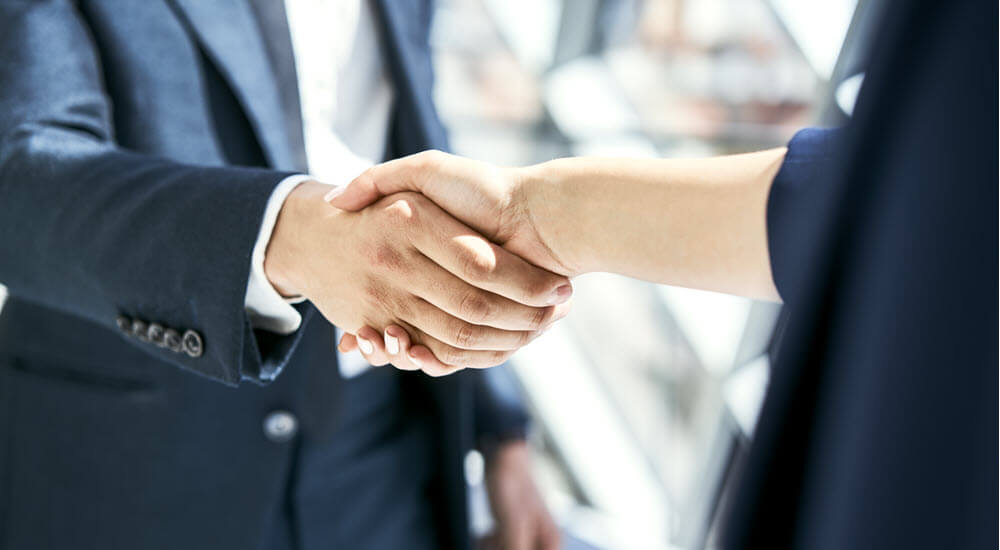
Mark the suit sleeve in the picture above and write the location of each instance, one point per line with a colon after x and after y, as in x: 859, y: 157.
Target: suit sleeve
x: 500, y: 412
x: 97, y: 231
x: 801, y: 194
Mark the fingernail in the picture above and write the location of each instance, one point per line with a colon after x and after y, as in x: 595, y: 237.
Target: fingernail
x: 366, y: 346
x: 561, y: 294
x: 415, y: 360
x: 391, y: 344
x: 334, y: 193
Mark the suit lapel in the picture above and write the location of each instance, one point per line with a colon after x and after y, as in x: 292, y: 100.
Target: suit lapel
x: 231, y: 37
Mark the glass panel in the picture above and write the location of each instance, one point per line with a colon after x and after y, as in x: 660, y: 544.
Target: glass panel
x: 640, y: 395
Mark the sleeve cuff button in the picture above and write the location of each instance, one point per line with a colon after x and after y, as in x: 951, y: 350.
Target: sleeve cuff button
x: 140, y: 330
x: 193, y: 345
x: 124, y: 324
x: 156, y: 335
x: 172, y: 340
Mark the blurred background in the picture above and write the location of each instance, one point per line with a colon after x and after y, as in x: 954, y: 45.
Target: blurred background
x: 646, y: 396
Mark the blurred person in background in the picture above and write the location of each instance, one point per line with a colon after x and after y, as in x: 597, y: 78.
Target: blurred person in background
x: 158, y: 240
x: 879, y: 428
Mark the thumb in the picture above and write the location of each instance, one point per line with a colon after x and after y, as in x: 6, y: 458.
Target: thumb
x: 356, y: 195
x: 381, y: 180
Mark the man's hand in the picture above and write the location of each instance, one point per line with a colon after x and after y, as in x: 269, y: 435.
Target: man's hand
x: 405, y: 262
x: 523, y: 521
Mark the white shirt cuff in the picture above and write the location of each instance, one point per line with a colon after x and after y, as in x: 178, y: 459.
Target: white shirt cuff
x: 269, y: 310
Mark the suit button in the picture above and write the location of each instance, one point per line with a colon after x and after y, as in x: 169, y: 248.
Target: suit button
x: 280, y: 426
x: 124, y: 324
x: 193, y: 345
x: 155, y: 334
x: 172, y: 340
x: 140, y: 329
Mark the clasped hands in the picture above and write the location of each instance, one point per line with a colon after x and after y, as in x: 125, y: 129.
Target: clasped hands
x: 431, y: 262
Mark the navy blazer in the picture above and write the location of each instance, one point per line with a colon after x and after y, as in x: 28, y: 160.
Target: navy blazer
x: 879, y: 429
x: 139, y: 144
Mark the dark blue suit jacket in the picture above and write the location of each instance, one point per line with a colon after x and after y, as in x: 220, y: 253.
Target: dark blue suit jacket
x: 879, y: 429
x: 121, y: 127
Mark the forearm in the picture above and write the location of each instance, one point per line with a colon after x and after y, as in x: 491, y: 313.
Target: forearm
x: 694, y: 223
x: 99, y: 232
x: 92, y: 229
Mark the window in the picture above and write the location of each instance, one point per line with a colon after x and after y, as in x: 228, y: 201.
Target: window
x: 643, y: 394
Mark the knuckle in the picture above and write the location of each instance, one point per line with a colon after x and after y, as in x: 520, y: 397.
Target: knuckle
x: 466, y: 336
x: 409, y: 308
x: 401, y: 210
x: 454, y: 357
x: 403, y: 306
x: 478, y: 267
x: 376, y: 292
x: 476, y: 308
x: 407, y: 210
x: 538, y: 317
x: 386, y: 257
x: 386, y: 302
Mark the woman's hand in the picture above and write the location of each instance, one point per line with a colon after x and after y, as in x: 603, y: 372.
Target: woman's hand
x: 501, y: 203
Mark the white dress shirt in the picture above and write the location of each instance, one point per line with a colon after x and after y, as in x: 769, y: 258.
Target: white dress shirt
x: 346, y: 99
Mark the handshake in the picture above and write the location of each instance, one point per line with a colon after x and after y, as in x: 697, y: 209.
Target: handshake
x: 430, y: 262
x: 436, y: 262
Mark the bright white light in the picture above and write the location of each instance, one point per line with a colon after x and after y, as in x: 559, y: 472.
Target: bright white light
x: 531, y: 28
x: 592, y: 435
x: 744, y: 392
x: 713, y: 323
x: 847, y: 93
x: 585, y: 102
x: 818, y: 28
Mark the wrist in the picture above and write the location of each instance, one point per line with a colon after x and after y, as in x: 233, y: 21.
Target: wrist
x: 283, y: 258
x: 512, y: 453
x: 545, y: 191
